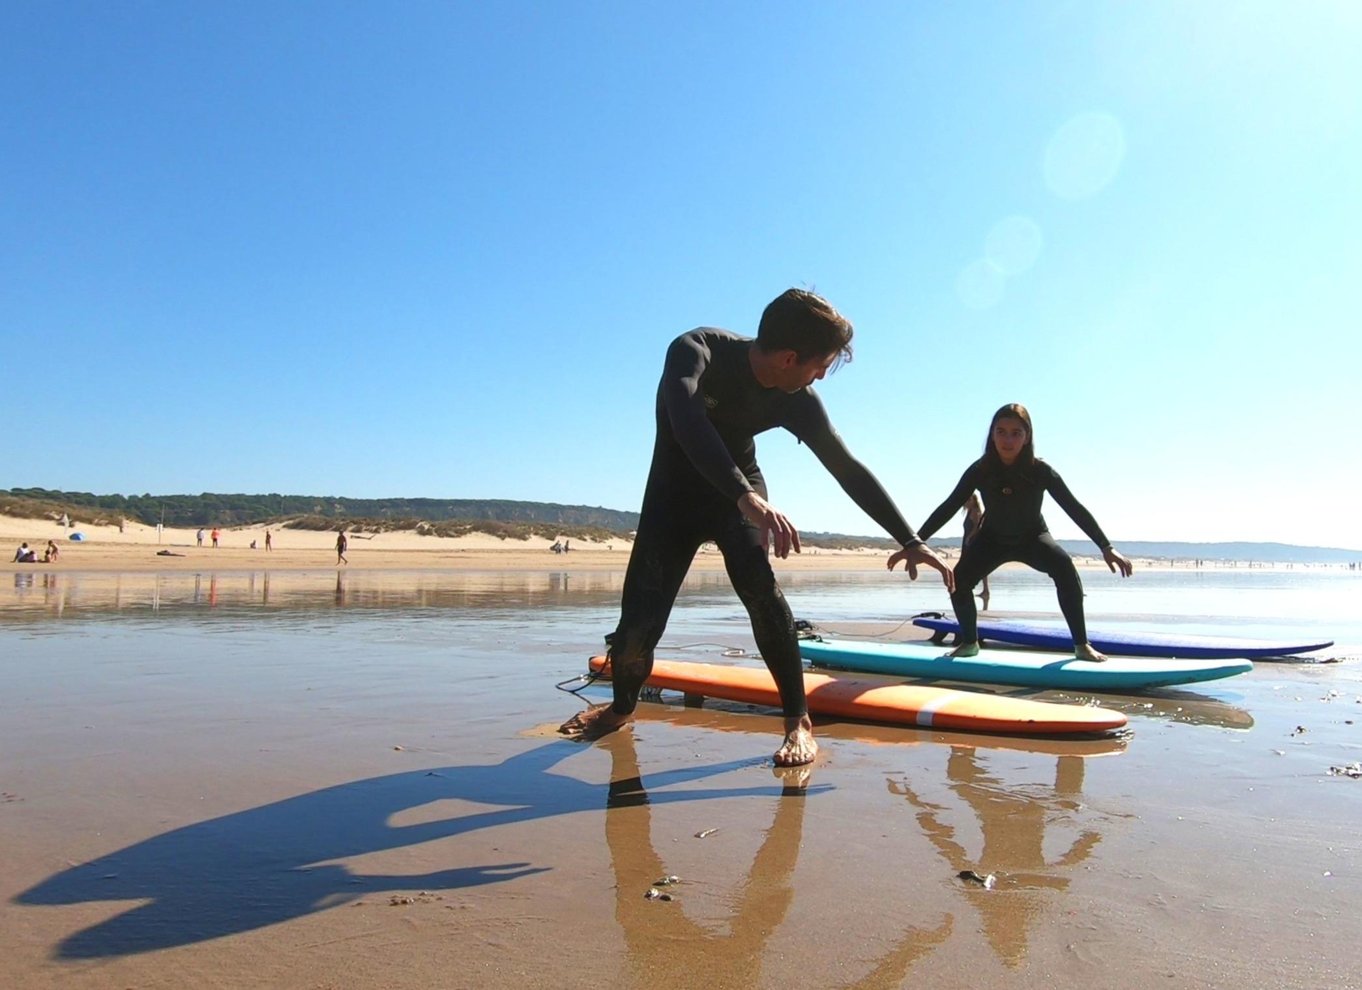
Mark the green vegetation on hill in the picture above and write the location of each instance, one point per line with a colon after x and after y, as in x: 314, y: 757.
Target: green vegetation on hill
x: 212, y: 509
x: 52, y: 505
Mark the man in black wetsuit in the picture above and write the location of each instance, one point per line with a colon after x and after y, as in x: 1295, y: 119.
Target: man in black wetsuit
x: 718, y: 391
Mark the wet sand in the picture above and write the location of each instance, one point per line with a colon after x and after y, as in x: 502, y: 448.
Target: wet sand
x: 254, y: 818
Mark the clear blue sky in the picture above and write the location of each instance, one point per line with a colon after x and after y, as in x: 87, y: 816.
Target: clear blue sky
x: 438, y: 249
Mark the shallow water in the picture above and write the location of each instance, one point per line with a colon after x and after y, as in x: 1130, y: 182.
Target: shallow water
x: 1305, y: 603
x: 238, y: 773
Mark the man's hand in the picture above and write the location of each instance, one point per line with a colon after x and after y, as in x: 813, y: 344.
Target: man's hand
x: 920, y: 553
x: 775, y: 526
x: 1115, y: 559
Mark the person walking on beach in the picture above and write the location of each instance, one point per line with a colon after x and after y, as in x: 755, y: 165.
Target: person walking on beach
x: 718, y: 391
x: 1014, y: 481
x: 199, y: 535
x: 269, y: 544
x: 216, y: 534
x: 341, y: 545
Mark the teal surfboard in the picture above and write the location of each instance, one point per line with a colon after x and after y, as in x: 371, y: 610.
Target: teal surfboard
x: 1015, y: 667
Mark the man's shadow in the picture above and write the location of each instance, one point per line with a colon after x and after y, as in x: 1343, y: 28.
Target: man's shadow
x: 266, y: 865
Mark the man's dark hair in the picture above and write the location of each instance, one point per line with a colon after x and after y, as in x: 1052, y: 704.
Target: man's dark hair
x: 806, y: 323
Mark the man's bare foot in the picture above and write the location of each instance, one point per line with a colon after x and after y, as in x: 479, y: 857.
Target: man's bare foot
x: 799, y: 747
x: 965, y: 650
x: 1086, y: 652
x: 596, y: 721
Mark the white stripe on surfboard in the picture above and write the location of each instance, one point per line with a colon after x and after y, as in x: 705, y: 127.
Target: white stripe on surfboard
x: 927, y: 713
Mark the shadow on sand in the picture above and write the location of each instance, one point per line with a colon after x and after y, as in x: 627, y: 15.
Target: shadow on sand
x: 266, y: 865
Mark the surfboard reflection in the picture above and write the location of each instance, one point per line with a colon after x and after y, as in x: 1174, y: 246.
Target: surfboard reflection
x: 736, y: 717
x: 1169, y: 705
x: 289, y: 595
x: 1013, y: 821
x: 732, y: 953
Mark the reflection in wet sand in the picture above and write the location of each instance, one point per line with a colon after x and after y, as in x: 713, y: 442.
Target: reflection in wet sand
x: 42, y: 596
x: 1165, y: 704
x: 1013, y: 824
x: 736, y: 717
x: 47, y: 588
x: 1168, y: 705
x: 659, y: 935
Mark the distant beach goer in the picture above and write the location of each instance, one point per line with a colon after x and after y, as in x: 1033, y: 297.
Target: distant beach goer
x: 718, y: 391
x: 974, y: 515
x: 199, y: 536
x: 25, y: 555
x: 342, y: 544
x: 269, y: 543
x: 1014, y: 481
x: 216, y: 534
x: 51, y: 553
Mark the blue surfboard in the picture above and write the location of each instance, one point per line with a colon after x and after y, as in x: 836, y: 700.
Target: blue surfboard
x: 1128, y: 644
x: 1022, y: 668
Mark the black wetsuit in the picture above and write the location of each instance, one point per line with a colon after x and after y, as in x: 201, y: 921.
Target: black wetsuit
x: 1014, y: 529
x: 710, y: 407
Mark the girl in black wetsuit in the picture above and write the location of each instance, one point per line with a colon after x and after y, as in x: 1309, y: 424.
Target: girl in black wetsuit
x: 1013, y: 483
x: 974, y: 515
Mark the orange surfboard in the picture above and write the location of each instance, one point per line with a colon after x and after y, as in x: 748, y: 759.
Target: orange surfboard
x: 877, y: 701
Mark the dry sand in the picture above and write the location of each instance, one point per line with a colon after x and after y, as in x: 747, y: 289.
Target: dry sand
x: 141, y: 548
x: 138, y: 548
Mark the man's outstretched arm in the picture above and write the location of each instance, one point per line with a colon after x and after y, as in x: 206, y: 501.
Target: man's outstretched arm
x: 867, y: 492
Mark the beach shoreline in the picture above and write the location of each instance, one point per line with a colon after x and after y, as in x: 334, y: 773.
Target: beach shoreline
x: 136, y: 547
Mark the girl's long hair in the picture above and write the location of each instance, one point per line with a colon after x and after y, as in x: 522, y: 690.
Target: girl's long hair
x: 1027, y: 456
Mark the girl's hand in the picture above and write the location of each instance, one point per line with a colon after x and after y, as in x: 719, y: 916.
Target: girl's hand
x: 1115, y: 559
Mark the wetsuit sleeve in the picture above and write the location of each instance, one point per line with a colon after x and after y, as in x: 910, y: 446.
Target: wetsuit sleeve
x: 1076, y: 511
x: 684, y: 403
x: 815, y: 430
x: 954, y: 502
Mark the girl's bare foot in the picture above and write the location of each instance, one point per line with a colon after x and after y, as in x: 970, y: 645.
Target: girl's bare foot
x: 965, y: 650
x: 1086, y: 652
x: 596, y: 721
x: 799, y: 747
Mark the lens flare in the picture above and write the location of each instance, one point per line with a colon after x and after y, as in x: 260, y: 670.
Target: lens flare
x: 1084, y: 155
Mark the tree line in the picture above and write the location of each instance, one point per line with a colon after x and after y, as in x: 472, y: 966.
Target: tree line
x: 219, y: 509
